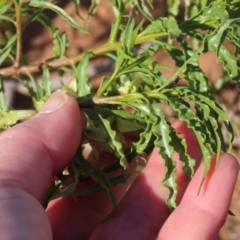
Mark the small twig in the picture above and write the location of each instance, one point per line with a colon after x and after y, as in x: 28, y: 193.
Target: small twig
x: 63, y: 62
x: 18, y: 25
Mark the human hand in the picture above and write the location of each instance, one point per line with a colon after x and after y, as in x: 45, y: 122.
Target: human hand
x: 33, y: 151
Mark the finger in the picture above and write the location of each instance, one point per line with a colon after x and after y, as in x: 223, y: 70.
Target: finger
x: 30, y: 153
x: 143, y: 211
x: 202, y: 216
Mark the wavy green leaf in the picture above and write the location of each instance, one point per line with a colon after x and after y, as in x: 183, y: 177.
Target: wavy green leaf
x: 215, y: 10
x: 212, y: 129
x: 145, y: 137
x: 109, y: 134
x: 216, y: 38
x: 230, y: 64
x: 187, y: 115
x: 234, y: 33
x: 195, y: 76
x: 201, y: 99
x: 161, y: 130
x: 180, y: 146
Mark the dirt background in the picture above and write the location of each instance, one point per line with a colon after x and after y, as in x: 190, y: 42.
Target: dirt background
x: 37, y: 45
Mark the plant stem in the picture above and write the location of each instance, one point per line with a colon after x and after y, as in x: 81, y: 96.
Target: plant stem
x: 113, y: 77
x: 109, y: 100
x: 18, y: 25
x: 61, y: 62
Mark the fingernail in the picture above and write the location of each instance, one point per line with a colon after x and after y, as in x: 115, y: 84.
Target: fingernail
x: 55, y: 102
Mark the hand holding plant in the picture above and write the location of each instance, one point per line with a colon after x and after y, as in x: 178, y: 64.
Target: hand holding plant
x: 124, y: 116
x: 142, y: 212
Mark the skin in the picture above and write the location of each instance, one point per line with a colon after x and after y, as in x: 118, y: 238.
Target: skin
x: 35, y: 150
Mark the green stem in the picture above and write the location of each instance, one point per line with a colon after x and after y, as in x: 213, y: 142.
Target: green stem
x: 62, y: 62
x: 139, y: 40
x: 18, y: 25
x: 109, y: 100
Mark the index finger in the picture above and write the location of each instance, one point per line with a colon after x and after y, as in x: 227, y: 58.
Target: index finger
x: 202, y: 216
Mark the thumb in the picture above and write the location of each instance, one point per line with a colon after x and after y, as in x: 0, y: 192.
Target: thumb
x: 31, y: 152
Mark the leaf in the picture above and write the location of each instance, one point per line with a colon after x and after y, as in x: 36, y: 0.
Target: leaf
x: 3, y: 104
x: 213, y: 130
x: 95, y: 138
x: 129, y: 36
x: 172, y: 51
x: 145, y: 137
x: 163, y: 26
x: 46, y: 82
x: 161, y: 130
x: 230, y: 64
x: 234, y: 33
x: 144, y: 9
x: 58, y: 10
x: 92, y: 9
x: 96, y: 174
x: 180, y: 146
x: 67, y: 185
x: 41, y: 18
x: 109, y: 135
x: 60, y: 43
x: 195, y: 76
x: 7, y: 119
x: 201, y: 99
x: 187, y: 115
x: 4, y: 53
x: 2, y: 3
x: 37, y: 88
x: 4, y: 7
x: 174, y: 7
x: 6, y: 18
x: 81, y: 76
x: 77, y: 3
x: 214, y: 11
x: 216, y: 38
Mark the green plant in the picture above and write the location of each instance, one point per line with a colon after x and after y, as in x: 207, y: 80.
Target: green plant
x: 127, y: 101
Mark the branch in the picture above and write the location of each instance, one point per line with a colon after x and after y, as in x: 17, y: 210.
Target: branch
x: 18, y: 26
x: 64, y: 61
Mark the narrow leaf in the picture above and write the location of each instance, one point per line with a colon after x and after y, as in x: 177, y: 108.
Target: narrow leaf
x: 187, y: 115
x: 3, y: 104
x: 161, y: 130
x: 4, y: 53
x: 46, y: 82
x: 59, y: 11
x: 81, y: 76
x: 110, y: 136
